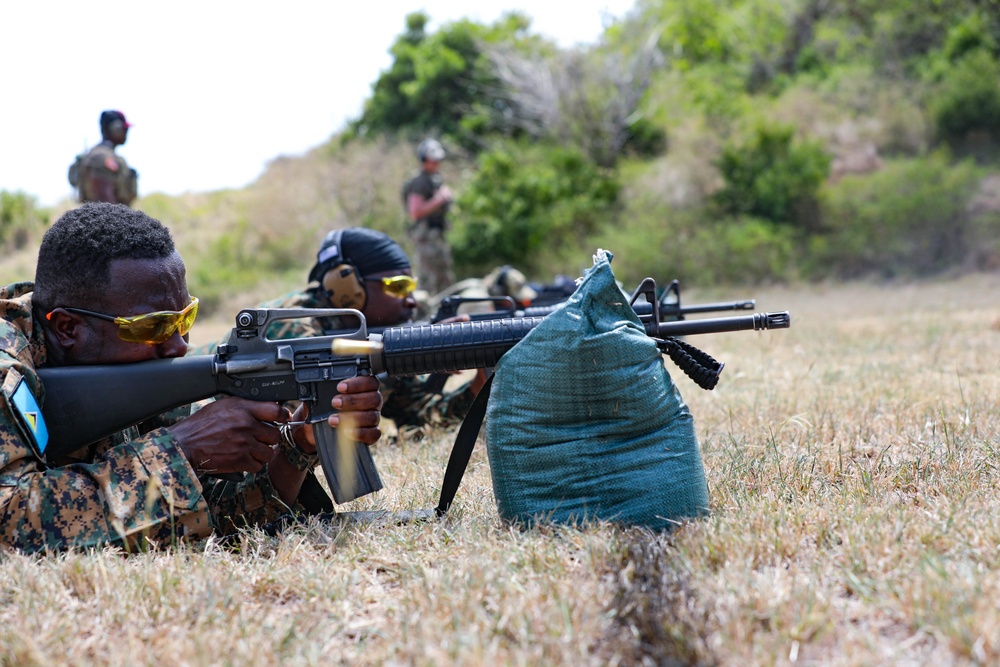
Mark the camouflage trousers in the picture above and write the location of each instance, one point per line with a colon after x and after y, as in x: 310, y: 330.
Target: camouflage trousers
x: 433, y: 258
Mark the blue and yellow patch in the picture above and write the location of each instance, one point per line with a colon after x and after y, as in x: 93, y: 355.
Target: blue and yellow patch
x: 27, y: 411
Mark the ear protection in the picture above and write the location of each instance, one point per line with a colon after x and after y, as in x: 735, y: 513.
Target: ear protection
x: 342, y: 283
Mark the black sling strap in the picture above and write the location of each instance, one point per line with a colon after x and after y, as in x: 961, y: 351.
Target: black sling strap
x: 313, y: 497
x: 461, y: 452
x: 317, y: 502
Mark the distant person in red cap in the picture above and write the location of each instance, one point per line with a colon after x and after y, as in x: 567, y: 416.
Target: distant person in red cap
x: 101, y: 174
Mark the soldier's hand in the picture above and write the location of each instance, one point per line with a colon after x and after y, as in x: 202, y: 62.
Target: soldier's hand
x: 462, y: 317
x: 231, y: 435
x: 477, y: 383
x: 444, y: 193
x: 360, y: 399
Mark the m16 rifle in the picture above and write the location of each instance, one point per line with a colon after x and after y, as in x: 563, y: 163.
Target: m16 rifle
x: 668, y: 307
x: 86, y: 403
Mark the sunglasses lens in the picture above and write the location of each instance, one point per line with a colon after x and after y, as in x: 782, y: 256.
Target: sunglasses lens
x: 151, y: 329
x: 156, y: 328
x: 399, y: 286
x: 190, y: 314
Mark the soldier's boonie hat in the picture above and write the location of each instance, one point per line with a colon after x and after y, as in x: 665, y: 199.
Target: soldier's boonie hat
x: 108, y: 117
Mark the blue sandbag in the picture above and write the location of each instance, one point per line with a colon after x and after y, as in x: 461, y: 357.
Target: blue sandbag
x: 584, y: 422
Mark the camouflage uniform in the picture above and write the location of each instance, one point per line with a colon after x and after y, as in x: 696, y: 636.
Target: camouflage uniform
x: 134, y: 486
x: 103, y: 163
x: 405, y: 401
x: 432, y: 252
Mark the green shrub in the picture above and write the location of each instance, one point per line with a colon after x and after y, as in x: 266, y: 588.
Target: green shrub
x: 239, y: 261
x: 647, y: 240
x: 771, y: 178
x: 969, y: 100
x: 740, y: 251
x: 910, y: 218
x: 529, y: 204
x: 646, y: 139
x: 984, y: 244
x: 439, y: 78
x: 20, y: 218
x: 655, y: 240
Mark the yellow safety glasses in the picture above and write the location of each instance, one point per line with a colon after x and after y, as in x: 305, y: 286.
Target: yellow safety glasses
x: 397, y: 286
x: 151, y: 328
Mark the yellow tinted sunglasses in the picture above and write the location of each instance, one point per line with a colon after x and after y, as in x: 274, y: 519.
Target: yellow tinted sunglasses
x: 151, y: 328
x: 397, y: 286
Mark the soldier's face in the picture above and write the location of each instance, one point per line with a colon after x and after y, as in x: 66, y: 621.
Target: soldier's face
x: 118, y: 133
x: 383, y: 309
x: 137, y: 287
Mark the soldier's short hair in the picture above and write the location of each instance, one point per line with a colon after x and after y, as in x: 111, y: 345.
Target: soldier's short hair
x: 74, y: 259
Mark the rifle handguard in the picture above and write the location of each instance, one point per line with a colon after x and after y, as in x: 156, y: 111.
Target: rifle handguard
x: 443, y: 348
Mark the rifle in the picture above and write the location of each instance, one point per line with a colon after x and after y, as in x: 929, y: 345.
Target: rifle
x: 252, y: 366
x: 668, y: 307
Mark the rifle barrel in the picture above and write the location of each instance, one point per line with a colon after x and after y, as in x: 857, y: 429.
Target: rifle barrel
x: 755, y: 322
x: 441, y: 348
x: 718, y: 307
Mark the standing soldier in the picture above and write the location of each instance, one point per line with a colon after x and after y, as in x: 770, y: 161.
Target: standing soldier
x: 427, y: 200
x: 101, y: 174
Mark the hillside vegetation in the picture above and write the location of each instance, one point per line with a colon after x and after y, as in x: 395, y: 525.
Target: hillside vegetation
x: 717, y: 141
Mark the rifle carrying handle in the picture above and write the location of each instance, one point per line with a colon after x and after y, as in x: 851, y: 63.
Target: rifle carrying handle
x: 349, y: 467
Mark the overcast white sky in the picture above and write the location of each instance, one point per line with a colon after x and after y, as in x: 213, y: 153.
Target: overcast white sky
x: 215, y: 88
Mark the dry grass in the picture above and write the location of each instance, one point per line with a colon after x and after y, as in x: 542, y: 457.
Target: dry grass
x: 852, y: 469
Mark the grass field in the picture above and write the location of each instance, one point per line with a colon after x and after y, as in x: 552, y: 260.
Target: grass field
x: 852, y: 466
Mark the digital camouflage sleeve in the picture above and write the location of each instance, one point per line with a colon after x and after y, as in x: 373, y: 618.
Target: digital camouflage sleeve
x: 123, y: 491
x: 251, y: 501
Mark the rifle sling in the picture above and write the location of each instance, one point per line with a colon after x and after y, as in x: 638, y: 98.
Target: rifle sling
x: 316, y: 502
x: 461, y: 452
x: 313, y: 497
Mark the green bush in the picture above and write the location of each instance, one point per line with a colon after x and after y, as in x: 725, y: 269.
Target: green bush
x: 646, y: 139
x: 909, y: 219
x: 771, y: 178
x: 241, y: 261
x: 969, y: 100
x: 656, y: 240
x: 984, y: 243
x: 20, y: 218
x: 740, y: 251
x: 438, y: 79
x: 648, y: 239
x: 529, y: 204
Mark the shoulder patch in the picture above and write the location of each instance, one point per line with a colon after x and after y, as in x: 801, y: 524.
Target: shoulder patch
x: 30, y: 415
x: 111, y: 163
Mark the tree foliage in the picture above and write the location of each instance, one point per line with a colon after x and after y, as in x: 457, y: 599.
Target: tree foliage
x: 771, y: 177
x: 592, y: 100
x: 911, y: 218
x: 20, y: 217
x: 526, y: 200
x: 870, y: 79
x: 437, y: 79
x: 969, y: 100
